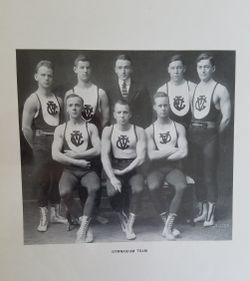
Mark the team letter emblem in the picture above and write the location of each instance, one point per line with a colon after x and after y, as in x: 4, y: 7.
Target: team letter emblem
x: 179, y: 103
x: 87, y: 112
x: 200, y: 103
x: 76, y: 138
x: 165, y: 137
x: 122, y: 142
x: 51, y: 108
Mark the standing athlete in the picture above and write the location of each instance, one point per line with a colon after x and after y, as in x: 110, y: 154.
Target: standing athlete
x: 76, y: 143
x: 179, y: 91
x: 96, y: 110
x: 123, y: 152
x: 166, y: 145
x: 41, y: 115
x: 211, y: 115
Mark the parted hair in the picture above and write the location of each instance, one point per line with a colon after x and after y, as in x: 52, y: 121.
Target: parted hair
x: 177, y: 57
x: 206, y: 56
x: 82, y: 57
x: 123, y: 57
x: 73, y: 96
x: 46, y: 63
x: 160, y: 95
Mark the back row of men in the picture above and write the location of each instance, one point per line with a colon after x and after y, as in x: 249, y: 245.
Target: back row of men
x: 203, y: 111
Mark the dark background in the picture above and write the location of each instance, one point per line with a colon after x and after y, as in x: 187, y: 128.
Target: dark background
x: 149, y: 68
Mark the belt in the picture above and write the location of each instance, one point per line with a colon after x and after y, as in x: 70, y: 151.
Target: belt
x: 204, y: 124
x: 39, y: 133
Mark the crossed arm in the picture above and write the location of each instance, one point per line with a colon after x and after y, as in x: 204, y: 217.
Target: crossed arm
x: 72, y: 158
x: 171, y: 153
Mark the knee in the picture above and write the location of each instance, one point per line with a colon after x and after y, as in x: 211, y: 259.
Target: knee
x: 181, y: 187
x: 65, y: 193
x: 152, y: 186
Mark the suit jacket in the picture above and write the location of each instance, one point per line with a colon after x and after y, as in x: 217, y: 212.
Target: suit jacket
x: 138, y: 99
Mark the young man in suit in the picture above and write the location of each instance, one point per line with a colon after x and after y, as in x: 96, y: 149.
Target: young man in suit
x: 127, y: 89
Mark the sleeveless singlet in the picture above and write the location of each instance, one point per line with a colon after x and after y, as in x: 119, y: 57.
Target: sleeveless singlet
x: 203, y: 106
x: 77, y: 139
x: 164, y: 137
x: 49, y: 114
x: 91, y: 104
x: 123, y: 143
x: 180, y: 109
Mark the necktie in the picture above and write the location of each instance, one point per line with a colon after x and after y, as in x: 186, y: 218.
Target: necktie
x: 124, y: 90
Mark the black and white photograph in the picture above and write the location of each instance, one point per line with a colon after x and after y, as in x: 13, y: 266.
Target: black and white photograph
x: 126, y: 145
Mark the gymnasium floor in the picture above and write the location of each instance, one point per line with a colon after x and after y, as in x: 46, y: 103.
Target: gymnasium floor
x: 148, y: 227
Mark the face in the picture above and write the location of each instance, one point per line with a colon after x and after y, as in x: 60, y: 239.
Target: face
x: 83, y: 70
x: 205, y: 70
x: 123, y: 69
x: 161, y: 107
x: 122, y: 114
x: 176, y: 70
x: 44, y: 77
x: 74, y: 107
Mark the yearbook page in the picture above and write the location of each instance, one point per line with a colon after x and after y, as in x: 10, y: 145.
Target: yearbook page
x: 124, y: 140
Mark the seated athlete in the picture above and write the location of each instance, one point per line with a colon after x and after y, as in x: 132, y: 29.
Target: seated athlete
x: 76, y: 143
x: 123, y: 152
x: 166, y: 145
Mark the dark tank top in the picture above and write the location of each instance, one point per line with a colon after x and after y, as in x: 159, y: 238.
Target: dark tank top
x: 53, y: 109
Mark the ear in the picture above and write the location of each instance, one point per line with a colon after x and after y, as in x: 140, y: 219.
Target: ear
x: 214, y: 68
x: 75, y: 69
x: 154, y: 107
x: 36, y: 76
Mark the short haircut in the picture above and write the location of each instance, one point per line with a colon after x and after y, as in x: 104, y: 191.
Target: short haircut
x: 176, y: 57
x: 205, y: 56
x: 121, y: 102
x: 123, y: 57
x: 46, y: 63
x: 160, y: 95
x: 73, y: 96
x: 83, y: 58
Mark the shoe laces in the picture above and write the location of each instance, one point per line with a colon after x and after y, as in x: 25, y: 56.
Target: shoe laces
x: 170, y: 222
x: 83, y: 228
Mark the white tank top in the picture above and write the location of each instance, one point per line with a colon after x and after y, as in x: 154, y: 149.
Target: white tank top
x: 90, y: 98
x: 164, y: 136
x: 76, y: 137
x: 203, y: 100
x: 50, y: 108
x: 124, y: 142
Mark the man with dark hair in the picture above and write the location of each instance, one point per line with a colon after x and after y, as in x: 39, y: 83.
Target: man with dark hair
x: 96, y: 106
x: 166, y: 145
x: 96, y: 110
x: 211, y: 112
x: 41, y: 114
x: 76, y: 143
x: 123, y: 152
x: 126, y: 88
x: 179, y: 91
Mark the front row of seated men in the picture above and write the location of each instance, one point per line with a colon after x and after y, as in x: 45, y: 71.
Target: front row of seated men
x: 123, y: 151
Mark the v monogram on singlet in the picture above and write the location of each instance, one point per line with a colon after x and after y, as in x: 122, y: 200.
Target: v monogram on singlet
x: 76, y: 138
x: 123, y: 143
x: 90, y: 98
x: 49, y: 112
x: 164, y: 135
x: 203, y: 106
x: 178, y: 98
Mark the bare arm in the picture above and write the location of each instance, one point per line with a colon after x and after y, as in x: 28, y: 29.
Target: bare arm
x: 105, y: 157
x: 29, y: 111
x: 153, y: 153
x: 182, y: 147
x: 95, y: 150
x: 140, y: 152
x: 61, y: 157
x: 104, y: 104
x: 225, y: 107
